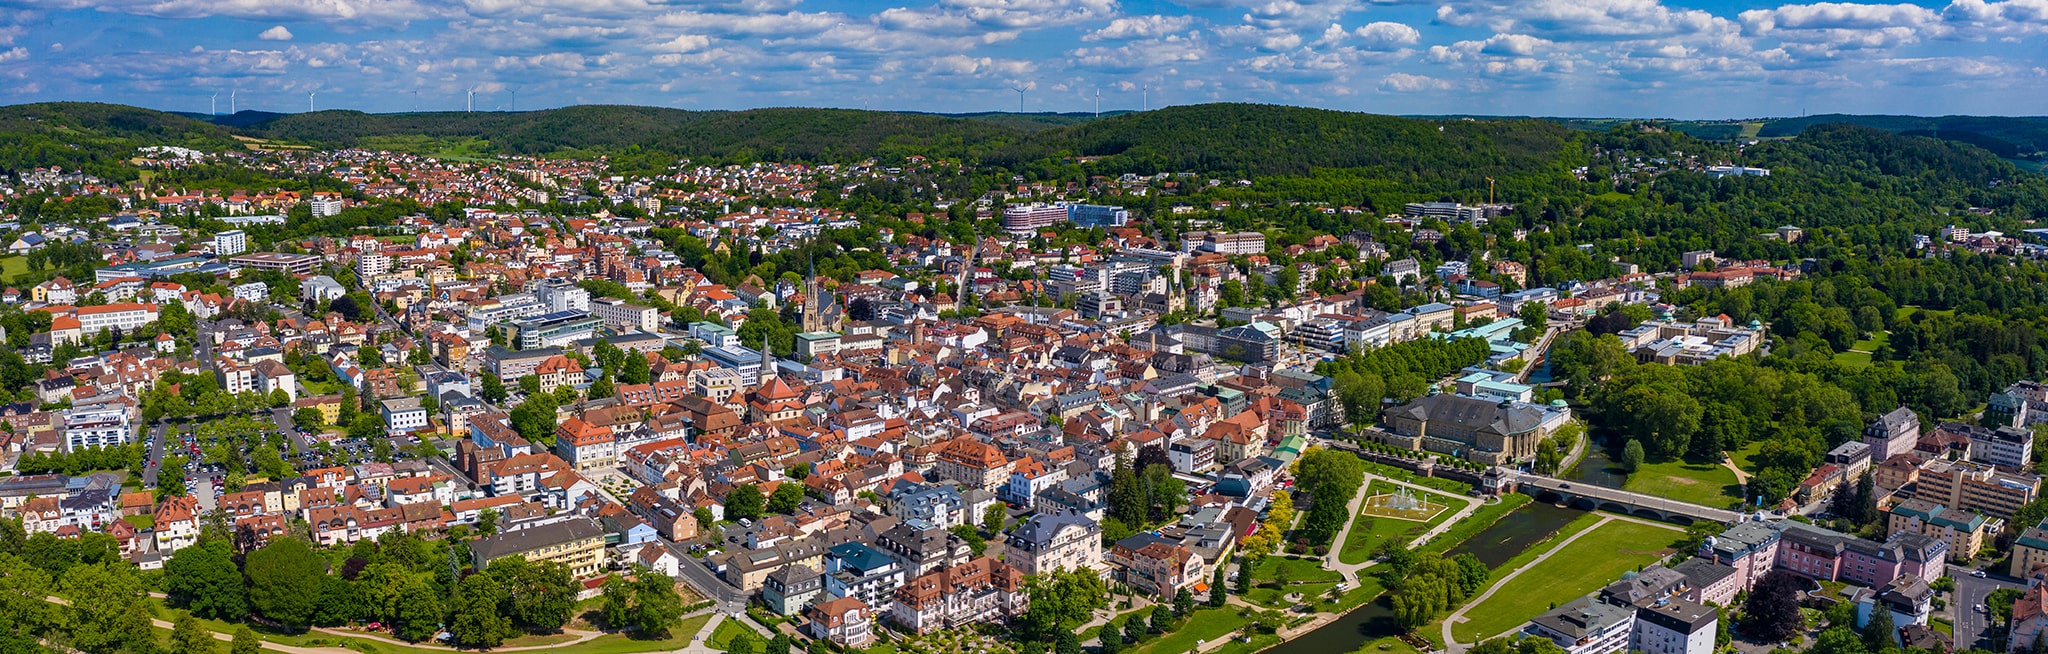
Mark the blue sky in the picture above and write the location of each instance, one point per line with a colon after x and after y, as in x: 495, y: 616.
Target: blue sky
x: 1642, y: 58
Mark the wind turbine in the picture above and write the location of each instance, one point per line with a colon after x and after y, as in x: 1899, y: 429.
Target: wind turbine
x: 469, y: 105
x: 309, y: 101
x: 514, y: 102
x: 415, y: 100
x: 1098, y: 102
x: 1145, y: 95
x: 213, y: 104
x: 1020, y: 98
x: 231, y: 101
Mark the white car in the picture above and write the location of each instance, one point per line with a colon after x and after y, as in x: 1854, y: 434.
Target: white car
x: 1979, y: 608
x: 1977, y: 573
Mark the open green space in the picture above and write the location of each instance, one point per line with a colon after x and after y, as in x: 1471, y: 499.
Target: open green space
x: 1707, y: 484
x: 1853, y: 359
x: 1907, y: 311
x: 1578, y: 524
x: 13, y: 267
x: 1391, y: 472
x: 721, y: 638
x: 678, y: 637
x: 1298, y: 570
x: 1205, y: 625
x: 1368, y: 531
x: 1742, y: 456
x: 1581, y: 567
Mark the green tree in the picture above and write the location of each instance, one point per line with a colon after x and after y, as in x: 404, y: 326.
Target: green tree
x: 417, y: 610
x: 1111, y: 639
x: 1134, y: 629
x: 189, y: 637
x: 993, y: 518
x: 785, y: 499
x: 285, y: 581
x: 308, y: 419
x: 487, y: 521
x: 1184, y: 603
x: 542, y: 596
x: 245, y: 641
x: 1632, y: 456
x: 108, y: 609
x: 602, y: 388
x: 477, y: 621
x: 635, y: 370
x: 743, y: 501
x: 204, y: 577
x: 1880, y: 634
x: 648, y: 603
x: 493, y: 389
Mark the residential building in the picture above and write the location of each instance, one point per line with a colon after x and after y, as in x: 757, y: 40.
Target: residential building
x: 1063, y: 540
x: 624, y: 316
x: 1976, y: 487
x: 1892, y: 433
x: 1674, y: 626
x: 1963, y: 530
x: 845, y: 621
x: 2029, y: 551
x: 1583, y: 626
x: 980, y: 590
x: 403, y: 415
x: 230, y: 243
x: 576, y: 542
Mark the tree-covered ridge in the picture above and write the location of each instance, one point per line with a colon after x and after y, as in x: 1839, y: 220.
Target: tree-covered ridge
x: 1251, y: 140
x: 92, y: 137
x: 830, y: 135
x: 525, y: 132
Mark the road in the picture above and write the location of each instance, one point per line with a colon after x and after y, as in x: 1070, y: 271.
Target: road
x: 729, y: 600
x: 156, y: 454
x: 1972, y: 626
x: 283, y: 417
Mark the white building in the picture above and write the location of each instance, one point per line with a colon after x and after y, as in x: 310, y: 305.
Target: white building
x: 404, y: 415
x: 561, y: 295
x: 325, y: 205
x: 94, y: 425
x: 622, y: 315
x: 1674, y: 626
x: 1584, y: 626
x: 230, y: 243
x: 372, y: 264
x: 252, y: 291
x: 321, y: 288
x: 123, y: 316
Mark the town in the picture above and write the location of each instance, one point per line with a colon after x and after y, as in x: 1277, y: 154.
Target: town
x: 413, y: 403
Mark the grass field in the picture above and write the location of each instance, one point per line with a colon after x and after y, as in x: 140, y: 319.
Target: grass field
x: 1742, y: 456
x: 12, y: 267
x: 721, y: 638
x: 1709, y: 484
x: 1205, y: 625
x: 1593, y: 561
x: 678, y: 637
x: 1370, y: 530
x: 1853, y: 359
x: 1578, y: 524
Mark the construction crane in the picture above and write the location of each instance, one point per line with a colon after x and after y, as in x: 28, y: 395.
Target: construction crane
x: 1489, y: 191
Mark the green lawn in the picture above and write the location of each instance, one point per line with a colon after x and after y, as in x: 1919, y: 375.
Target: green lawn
x: 1298, y: 570
x: 1853, y: 359
x: 1578, y: 524
x: 1205, y: 625
x: 1446, y: 485
x: 1709, y: 484
x: 1584, y: 566
x: 721, y: 638
x: 1905, y: 312
x: 1387, y: 646
x: 1742, y: 456
x: 1369, y: 531
x: 13, y: 267
x: 678, y: 637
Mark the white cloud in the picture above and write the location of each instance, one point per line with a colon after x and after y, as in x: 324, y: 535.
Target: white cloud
x: 1141, y: 27
x: 1512, y: 45
x: 1406, y: 83
x: 1387, y: 36
x: 278, y: 33
x: 16, y: 53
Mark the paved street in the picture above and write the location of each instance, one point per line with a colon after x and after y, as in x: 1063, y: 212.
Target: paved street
x: 1971, y: 626
x: 729, y: 599
x: 283, y: 417
x: 156, y: 455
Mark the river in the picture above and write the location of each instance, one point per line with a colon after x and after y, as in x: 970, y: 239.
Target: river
x: 1510, y: 536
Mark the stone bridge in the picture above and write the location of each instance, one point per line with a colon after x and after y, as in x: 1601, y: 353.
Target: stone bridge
x: 1601, y: 498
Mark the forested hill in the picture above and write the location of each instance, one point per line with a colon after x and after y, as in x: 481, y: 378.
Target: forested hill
x: 592, y: 127
x: 1265, y: 140
x: 1241, y: 140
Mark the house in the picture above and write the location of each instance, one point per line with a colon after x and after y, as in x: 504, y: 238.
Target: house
x: 845, y: 621
x: 1583, y: 626
x: 577, y: 543
x: 1047, y: 542
x: 980, y: 590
